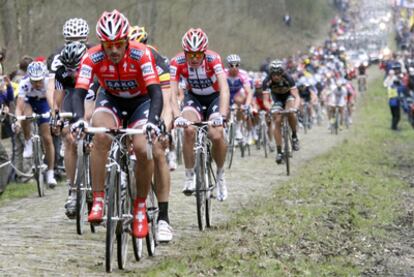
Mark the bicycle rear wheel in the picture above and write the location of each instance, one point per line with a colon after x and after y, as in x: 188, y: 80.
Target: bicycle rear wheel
x: 38, y: 167
x: 286, y: 154
x: 152, y: 211
x: 305, y: 119
x: 179, y: 145
x: 81, y: 205
x: 336, y: 122
x: 230, y: 149
x: 110, y: 214
x: 200, y: 174
x: 265, y: 140
x: 211, y: 180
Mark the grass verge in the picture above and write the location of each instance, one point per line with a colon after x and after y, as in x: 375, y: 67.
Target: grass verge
x: 17, y: 190
x: 333, y: 219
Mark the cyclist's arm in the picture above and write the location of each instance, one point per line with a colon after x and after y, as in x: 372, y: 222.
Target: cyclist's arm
x: 58, y: 95
x: 50, y: 91
x: 174, y: 101
x: 224, y: 94
x: 155, y: 93
x: 249, y: 91
x: 166, y: 110
x: 19, y: 106
x: 295, y: 93
x: 78, y: 102
x: 266, y: 100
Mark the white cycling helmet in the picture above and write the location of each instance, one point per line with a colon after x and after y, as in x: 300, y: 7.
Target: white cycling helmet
x: 233, y: 59
x: 76, y: 28
x: 276, y: 66
x: 37, y: 71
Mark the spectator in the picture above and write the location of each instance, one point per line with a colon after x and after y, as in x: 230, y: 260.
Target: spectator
x: 287, y: 19
x: 395, y: 91
x: 6, y: 97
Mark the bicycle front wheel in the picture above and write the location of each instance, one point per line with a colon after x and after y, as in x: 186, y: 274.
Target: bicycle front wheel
x: 110, y: 214
x: 200, y: 174
x: 81, y: 205
x: 38, y: 167
x: 124, y: 204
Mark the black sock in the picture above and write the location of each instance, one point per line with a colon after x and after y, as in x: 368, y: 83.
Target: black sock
x: 294, y: 135
x: 163, y: 212
x: 279, y: 149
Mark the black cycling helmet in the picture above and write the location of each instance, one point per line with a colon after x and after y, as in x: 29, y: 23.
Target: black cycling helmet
x: 72, y: 54
x: 276, y: 66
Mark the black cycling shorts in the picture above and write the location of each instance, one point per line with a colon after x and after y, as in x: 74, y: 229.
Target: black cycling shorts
x: 133, y: 110
x: 204, y: 105
x: 280, y: 99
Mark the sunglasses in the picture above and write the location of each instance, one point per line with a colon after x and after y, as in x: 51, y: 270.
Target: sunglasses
x: 234, y: 65
x: 117, y: 43
x: 192, y: 55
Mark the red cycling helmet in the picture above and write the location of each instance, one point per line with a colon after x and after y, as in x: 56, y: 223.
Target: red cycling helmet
x: 112, y: 26
x: 195, y: 40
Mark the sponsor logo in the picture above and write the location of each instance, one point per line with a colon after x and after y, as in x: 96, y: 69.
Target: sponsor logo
x: 173, y: 71
x: 85, y: 72
x: 159, y: 70
x: 200, y: 83
x: 210, y: 57
x: 136, y: 54
x: 218, y: 69
x: 123, y: 85
x: 180, y: 59
x: 147, y: 69
x: 97, y: 57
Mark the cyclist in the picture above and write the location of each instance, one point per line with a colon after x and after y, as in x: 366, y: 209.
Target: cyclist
x: 337, y: 97
x: 207, y: 98
x: 74, y: 29
x: 163, y: 182
x: 307, y: 95
x: 65, y: 77
x: 285, y: 96
x: 240, y: 91
x: 36, y: 96
x: 127, y: 74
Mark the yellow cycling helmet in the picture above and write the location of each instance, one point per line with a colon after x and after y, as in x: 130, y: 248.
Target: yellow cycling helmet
x: 138, y: 34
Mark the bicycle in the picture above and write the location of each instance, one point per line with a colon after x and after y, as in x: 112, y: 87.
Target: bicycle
x: 243, y: 142
x: 205, y: 177
x: 39, y: 167
x: 335, y: 121
x: 286, y: 136
x: 82, y: 181
x: 263, y: 136
x: 230, y: 137
x: 362, y: 84
x: 306, y: 117
x: 118, y: 194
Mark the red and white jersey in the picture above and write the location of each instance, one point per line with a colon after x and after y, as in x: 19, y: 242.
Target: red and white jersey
x: 129, y: 78
x: 202, y: 80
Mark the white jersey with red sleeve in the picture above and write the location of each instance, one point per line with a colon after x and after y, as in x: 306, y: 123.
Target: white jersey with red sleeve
x: 202, y: 80
x: 129, y: 78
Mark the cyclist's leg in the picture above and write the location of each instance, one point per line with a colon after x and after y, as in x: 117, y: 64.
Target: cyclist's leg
x: 290, y: 104
x: 191, y: 111
x: 219, y: 148
x: 103, y: 116
x: 26, y: 124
